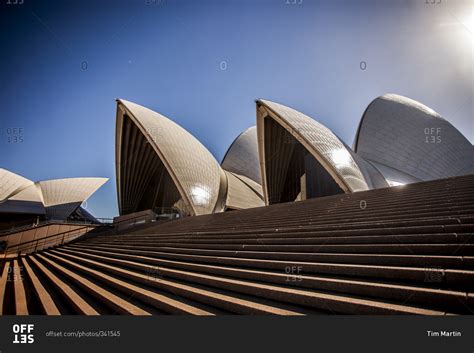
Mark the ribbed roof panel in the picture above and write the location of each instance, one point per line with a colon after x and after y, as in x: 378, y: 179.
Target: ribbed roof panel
x: 194, y: 170
x: 324, y: 145
x: 406, y: 135
x: 242, y: 156
x: 11, y: 183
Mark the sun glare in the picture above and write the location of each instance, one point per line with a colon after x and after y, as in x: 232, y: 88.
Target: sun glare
x: 468, y: 20
x: 341, y: 157
x: 464, y: 19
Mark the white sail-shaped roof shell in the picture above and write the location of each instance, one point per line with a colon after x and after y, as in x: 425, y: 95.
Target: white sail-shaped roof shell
x: 31, y: 193
x: 68, y: 190
x: 400, y: 134
x: 58, y: 198
x: 324, y: 145
x: 194, y: 170
x: 240, y: 195
x: 11, y: 183
x: 242, y: 155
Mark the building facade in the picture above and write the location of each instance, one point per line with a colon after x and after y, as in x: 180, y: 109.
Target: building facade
x: 288, y: 156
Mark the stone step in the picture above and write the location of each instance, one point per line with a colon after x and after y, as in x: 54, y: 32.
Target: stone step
x: 409, y: 224
x: 111, y: 300
x: 227, y: 302
x: 328, y: 218
x: 440, y: 277
x: 160, y: 301
x: 46, y: 301
x: 442, y: 299
x: 305, y: 297
x: 277, y: 239
x: 21, y: 307
x: 401, y: 249
x: 72, y: 297
x: 3, y: 284
x: 431, y: 261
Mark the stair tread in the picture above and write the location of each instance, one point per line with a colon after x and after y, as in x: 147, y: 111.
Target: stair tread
x: 409, y: 250
x: 21, y: 307
x: 137, y: 291
x: 80, y: 304
x: 3, y: 284
x: 293, y: 255
x: 243, y: 261
x: 263, y: 308
x: 411, y: 289
x: 101, y: 292
x: 46, y: 301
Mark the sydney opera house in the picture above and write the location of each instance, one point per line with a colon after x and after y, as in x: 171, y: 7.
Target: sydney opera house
x: 287, y: 157
x: 293, y: 221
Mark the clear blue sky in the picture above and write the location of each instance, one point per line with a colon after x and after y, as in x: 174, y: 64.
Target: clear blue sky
x: 167, y: 55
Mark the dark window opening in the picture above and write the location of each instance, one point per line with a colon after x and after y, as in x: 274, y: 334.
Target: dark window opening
x: 145, y: 182
x: 292, y: 172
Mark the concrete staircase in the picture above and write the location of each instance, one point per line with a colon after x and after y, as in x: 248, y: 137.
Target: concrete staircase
x: 400, y: 250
